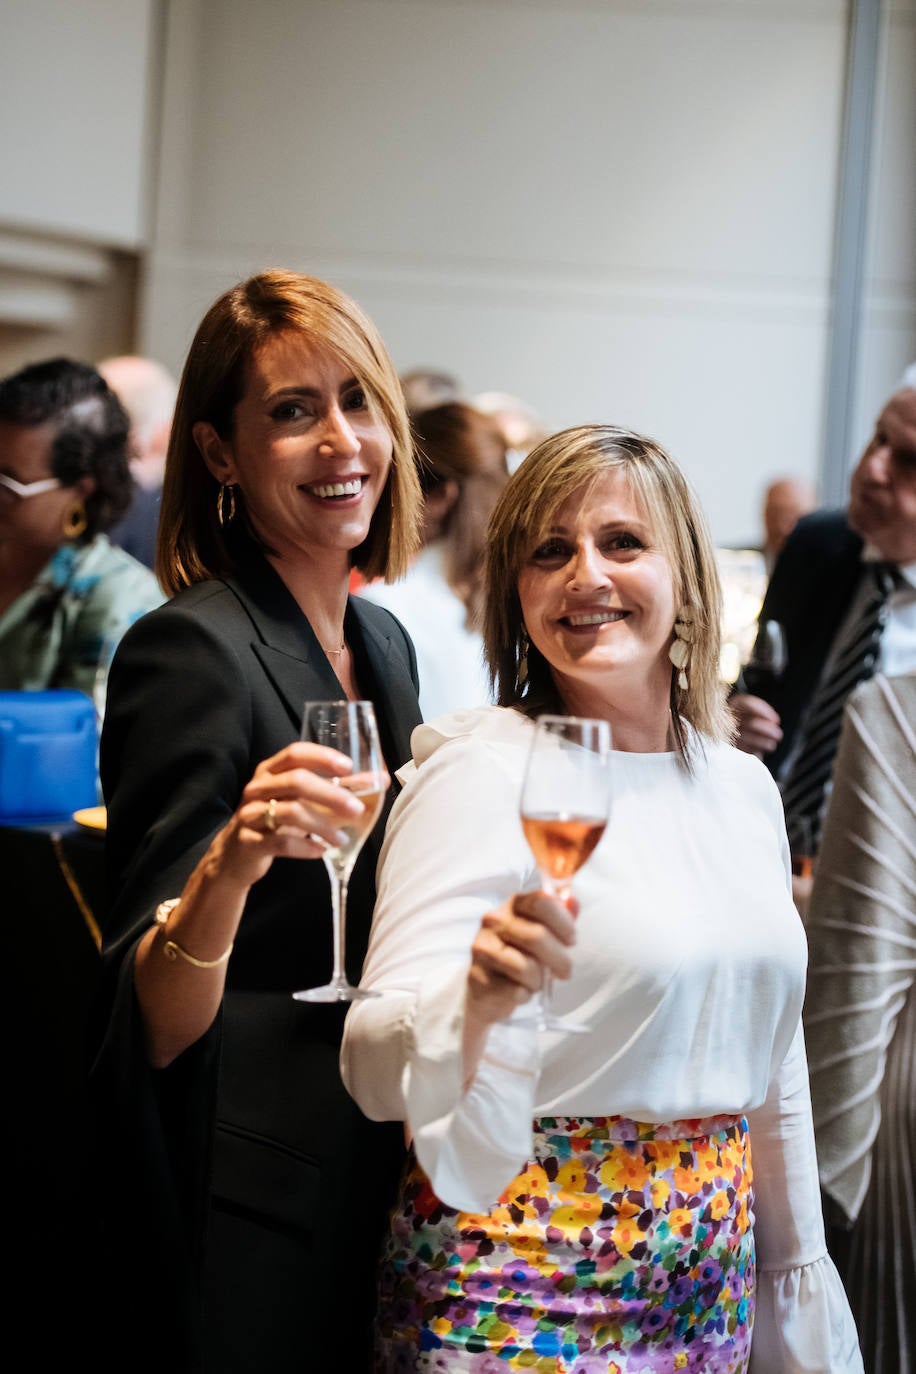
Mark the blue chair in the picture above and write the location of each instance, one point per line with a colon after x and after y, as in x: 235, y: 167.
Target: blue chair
x: 48, y: 754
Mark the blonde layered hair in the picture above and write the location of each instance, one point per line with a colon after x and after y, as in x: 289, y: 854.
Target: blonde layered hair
x: 571, y: 463
x: 191, y: 546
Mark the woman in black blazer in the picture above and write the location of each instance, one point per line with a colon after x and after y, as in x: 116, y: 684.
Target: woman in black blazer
x: 242, y: 1192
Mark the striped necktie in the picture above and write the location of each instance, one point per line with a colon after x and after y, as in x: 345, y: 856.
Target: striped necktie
x: 805, y: 786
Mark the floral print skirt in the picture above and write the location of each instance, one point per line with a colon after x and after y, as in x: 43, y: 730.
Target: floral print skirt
x: 622, y: 1248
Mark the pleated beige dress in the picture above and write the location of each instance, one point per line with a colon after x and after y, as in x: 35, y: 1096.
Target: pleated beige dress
x: 860, y: 1018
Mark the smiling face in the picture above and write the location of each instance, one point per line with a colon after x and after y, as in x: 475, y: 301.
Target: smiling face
x: 598, y: 600
x: 308, y: 454
x: 882, y: 506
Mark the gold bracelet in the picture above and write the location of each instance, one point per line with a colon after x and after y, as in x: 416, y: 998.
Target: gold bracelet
x: 172, y: 950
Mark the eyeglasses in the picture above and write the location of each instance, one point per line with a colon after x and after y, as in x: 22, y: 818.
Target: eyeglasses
x: 24, y: 489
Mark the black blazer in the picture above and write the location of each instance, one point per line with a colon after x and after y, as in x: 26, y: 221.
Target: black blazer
x: 810, y: 591
x: 244, y: 1171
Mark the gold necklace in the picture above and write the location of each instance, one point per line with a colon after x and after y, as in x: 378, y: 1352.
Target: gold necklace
x: 334, y: 653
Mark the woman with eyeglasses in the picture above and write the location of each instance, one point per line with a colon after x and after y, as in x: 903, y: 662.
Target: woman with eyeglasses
x: 65, y: 591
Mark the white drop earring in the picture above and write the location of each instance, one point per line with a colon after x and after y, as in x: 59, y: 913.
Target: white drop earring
x: 685, y: 630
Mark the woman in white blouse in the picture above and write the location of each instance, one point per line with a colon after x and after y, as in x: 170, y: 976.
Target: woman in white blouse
x: 589, y: 1202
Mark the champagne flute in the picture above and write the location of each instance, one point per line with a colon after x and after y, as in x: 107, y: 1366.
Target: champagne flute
x: 767, y: 660
x: 565, y: 806
x: 349, y: 727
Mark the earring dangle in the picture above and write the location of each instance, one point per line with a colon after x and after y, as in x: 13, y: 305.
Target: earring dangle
x: 75, y: 521
x: 522, y: 671
x: 224, y: 516
x: 685, y: 630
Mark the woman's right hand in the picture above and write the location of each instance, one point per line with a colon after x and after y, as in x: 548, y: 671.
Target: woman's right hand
x: 529, y: 934
x: 291, y: 808
x: 516, y: 944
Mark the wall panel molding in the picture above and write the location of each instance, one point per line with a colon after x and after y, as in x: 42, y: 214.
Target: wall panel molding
x: 27, y: 252
x: 539, y: 289
x: 41, y: 278
x: 787, y: 11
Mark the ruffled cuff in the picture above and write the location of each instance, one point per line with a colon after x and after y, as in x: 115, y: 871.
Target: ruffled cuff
x: 803, y: 1324
x: 471, y: 1142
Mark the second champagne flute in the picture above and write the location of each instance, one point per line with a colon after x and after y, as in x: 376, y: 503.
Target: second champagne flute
x: 350, y: 728
x: 767, y: 661
x: 565, y: 806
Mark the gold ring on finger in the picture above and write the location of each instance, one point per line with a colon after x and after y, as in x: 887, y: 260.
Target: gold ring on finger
x: 269, y: 816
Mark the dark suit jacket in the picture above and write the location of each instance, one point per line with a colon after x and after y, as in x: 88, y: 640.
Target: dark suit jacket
x: 136, y: 530
x: 812, y: 586
x: 249, y: 1139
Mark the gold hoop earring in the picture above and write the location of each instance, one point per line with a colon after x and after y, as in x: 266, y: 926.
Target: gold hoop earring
x: 224, y: 516
x: 75, y: 521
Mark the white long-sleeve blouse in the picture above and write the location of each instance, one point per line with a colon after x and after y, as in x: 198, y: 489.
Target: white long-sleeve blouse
x: 689, y: 968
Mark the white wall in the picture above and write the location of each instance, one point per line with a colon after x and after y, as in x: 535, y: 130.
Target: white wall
x: 617, y: 209
x: 78, y: 113
x: 620, y: 211
x: 889, y: 315
x: 74, y: 99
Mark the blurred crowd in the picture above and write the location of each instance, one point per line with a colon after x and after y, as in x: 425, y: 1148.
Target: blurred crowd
x: 115, y: 504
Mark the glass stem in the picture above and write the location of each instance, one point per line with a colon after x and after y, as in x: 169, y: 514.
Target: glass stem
x: 339, y: 885
x: 562, y: 892
x: 338, y: 922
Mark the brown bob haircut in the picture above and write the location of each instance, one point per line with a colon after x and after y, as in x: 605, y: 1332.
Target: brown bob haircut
x: 191, y: 547
x: 571, y: 463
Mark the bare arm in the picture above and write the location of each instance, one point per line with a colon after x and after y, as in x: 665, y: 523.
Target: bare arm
x: 179, y: 999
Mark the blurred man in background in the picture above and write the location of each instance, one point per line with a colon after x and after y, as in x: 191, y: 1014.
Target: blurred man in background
x: 147, y: 391
x: 425, y: 387
x: 785, y: 501
x: 844, y: 590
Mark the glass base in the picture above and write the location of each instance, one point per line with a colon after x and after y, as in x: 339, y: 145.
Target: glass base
x: 334, y: 992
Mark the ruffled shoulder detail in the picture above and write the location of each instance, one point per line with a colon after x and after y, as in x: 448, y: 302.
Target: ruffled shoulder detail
x: 483, y: 722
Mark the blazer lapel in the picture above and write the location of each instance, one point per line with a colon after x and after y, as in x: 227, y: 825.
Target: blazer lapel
x: 284, y: 642
x: 298, y: 679
x: 295, y: 663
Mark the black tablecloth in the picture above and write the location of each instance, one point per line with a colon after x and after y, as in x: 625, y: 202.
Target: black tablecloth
x: 50, y: 927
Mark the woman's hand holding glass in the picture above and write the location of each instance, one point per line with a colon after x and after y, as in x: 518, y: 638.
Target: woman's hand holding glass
x: 525, y: 943
x: 565, y: 806
x: 351, y: 728
x: 293, y: 807
x: 518, y: 944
